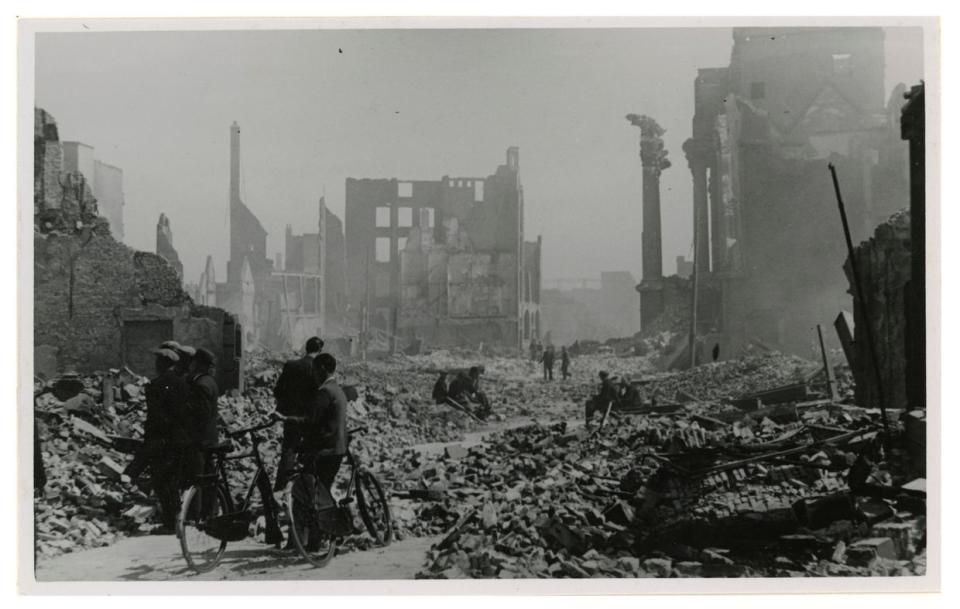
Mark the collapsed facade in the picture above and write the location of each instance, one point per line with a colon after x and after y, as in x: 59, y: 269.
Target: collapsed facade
x: 104, y: 180
x: 443, y: 261
x: 165, y: 247
x: 768, y: 247
x: 99, y: 304
x: 279, y: 307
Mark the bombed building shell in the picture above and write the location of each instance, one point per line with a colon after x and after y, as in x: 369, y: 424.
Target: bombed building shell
x: 443, y: 261
x: 768, y: 244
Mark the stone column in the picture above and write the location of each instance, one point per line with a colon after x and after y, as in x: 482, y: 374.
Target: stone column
x: 699, y: 155
x: 653, y: 156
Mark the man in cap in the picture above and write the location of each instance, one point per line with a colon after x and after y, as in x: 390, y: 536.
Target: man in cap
x: 165, y: 432
x: 296, y: 385
x: 184, y: 352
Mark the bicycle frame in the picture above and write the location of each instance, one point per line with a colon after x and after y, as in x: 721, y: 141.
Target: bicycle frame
x: 260, y: 481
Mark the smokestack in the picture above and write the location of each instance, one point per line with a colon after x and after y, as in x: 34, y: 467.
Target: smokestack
x: 234, y: 163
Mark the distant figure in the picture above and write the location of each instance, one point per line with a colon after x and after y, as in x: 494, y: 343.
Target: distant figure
x: 547, y: 359
x: 608, y: 391
x: 533, y: 350
x: 564, y: 363
x: 440, y: 389
x: 606, y: 395
x: 716, y: 352
x: 465, y: 391
x: 629, y: 394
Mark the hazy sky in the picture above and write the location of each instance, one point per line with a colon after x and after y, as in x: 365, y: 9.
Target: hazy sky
x: 316, y: 107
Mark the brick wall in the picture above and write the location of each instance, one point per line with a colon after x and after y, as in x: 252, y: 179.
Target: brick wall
x: 884, y: 266
x: 86, y: 283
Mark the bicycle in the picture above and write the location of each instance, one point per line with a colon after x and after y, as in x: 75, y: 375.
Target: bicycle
x: 317, y: 523
x: 209, y: 520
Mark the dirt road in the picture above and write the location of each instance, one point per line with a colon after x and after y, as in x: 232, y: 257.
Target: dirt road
x: 157, y: 558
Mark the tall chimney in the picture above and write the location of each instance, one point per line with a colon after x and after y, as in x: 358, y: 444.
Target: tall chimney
x: 234, y: 163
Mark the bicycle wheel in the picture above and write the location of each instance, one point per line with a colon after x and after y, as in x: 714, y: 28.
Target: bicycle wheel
x: 374, y: 508
x: 314, y: 544
x: 200, y: 503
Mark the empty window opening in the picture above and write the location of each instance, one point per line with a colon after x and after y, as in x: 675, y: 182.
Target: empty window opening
x: 842, y: 64
x: 405, y: 217
x: 383, y: 249
x: 401, y: 244
x: 757, y: 90
x: 383, y: 217
x: 478, y: 190
x: 428, y: 215
x: 405, y: 190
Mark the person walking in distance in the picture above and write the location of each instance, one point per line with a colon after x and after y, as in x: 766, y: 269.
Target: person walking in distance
x: 296, y: 385
x: 564, y: 363
x: 547, y: 359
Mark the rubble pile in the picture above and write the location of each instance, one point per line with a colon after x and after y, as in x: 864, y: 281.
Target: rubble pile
x: 706, y: 487
x: 658, y: 497
x: 734, y: 378
x: 84, y: 503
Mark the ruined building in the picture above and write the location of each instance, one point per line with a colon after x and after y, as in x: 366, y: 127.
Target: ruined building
x: 443, y: 261
x: 279, y: 307
x: 105, y: 181
x: 165, y: 247
x: 769, y: 249
x: 891, y: 269
x: 99, y: 304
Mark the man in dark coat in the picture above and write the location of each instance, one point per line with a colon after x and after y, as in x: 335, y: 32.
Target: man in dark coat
x: 548, y: 358
x: 296, y: 385
x: 323, y: 424
x: 167, y: 433
x: 564, y: 363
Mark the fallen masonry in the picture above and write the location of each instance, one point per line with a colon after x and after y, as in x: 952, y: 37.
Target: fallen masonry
x: 706, y: 490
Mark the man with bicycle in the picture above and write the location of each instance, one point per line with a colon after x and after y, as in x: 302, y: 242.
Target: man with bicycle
x: 296, y: 385
x: 323, y: 427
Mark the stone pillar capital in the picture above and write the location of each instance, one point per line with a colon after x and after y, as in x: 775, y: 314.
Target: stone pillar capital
x: 699, y: 153
x: 652, y: 153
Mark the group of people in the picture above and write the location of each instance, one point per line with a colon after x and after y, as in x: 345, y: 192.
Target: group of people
x: 181, y: 420
x: 548, y: 357
x: 463, y: 393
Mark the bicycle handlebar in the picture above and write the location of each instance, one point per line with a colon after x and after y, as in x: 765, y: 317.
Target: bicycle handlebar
x: 239, y: 432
